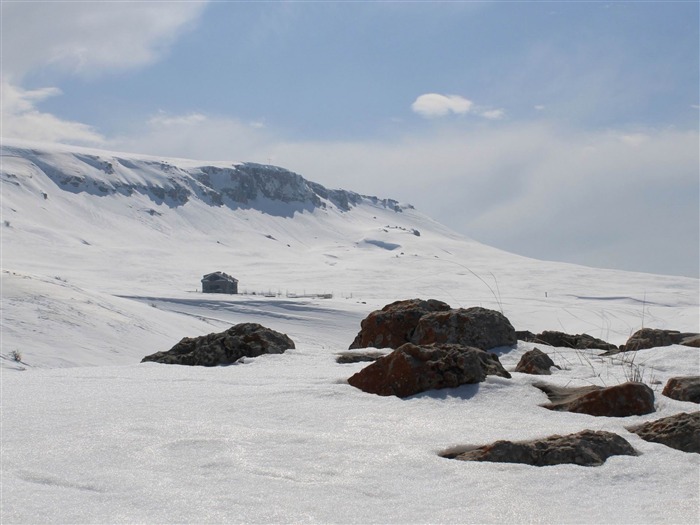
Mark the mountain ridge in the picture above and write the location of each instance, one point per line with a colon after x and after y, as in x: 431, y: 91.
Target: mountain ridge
x: 167, y: 181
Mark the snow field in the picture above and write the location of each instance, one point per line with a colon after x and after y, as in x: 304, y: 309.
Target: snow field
x: 91, y: 284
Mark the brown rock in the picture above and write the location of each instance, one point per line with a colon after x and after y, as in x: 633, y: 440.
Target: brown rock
x: 535, y: 362
x: 627, y: 399
x: 477, y: 327
x: 681, y: 431
x: 683, y: 388
x: 412, y: 369
x: 393, y: 325
x: 652, y: 338
x: 587, y: 447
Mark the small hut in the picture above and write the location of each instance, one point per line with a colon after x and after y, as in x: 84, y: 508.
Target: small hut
x: 219, y: 282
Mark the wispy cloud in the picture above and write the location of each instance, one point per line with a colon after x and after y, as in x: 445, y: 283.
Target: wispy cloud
x: 92, y: 37
x: 492, y: 114
x: 162, y: 119
x: 21, y: 119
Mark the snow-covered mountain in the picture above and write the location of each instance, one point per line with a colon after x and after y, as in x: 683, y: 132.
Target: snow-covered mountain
x: 121, y: 225
x: 102, y: 256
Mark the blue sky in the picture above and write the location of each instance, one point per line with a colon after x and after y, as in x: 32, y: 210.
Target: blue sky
x: 559, y: 130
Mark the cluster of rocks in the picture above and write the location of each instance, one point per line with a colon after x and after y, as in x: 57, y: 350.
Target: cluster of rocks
x: 436, y: 346
x: 640, y: 340
x: 419, y: 345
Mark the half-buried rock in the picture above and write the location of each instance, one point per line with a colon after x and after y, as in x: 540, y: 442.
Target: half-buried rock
x: 535, y: 362
x: 411, y: 369
x: 683, y: 388
x: 681, y: 431
x: 588, y: 447
x: 627, y: 399
x: 225, y: 348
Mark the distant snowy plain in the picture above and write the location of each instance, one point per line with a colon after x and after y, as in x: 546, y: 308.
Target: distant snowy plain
x: 92, y: 281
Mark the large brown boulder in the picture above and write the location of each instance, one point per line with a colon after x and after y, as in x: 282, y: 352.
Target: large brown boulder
x: 627, y: 399
x: 683, y: 388
x: 478, y: 327
x: 225, y: 348
x: 652, y: 338
x: 393, y: 325
x: 587, y: 447
x: 681, y: 431
x: 411, y: 369
x: 535, y: 362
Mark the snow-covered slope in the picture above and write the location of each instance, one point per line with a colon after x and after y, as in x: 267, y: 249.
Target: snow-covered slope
x: 102, y: 256
x: 118, y: 225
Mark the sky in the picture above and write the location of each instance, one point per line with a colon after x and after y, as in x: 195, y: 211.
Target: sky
x: 560, y: 131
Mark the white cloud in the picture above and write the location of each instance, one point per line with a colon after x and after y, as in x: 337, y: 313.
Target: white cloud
x: 634, y: 139
x: 492, y: 114
x: 85, y: 38
x: 533, y: 188
x: 89, y: 38
x: 432, y: 105
x: 435, y: 105
x: 162, y: 119
x: 20, y: 118
x: 198, y: 136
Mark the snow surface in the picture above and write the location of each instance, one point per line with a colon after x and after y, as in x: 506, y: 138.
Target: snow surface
x: 91, y: 284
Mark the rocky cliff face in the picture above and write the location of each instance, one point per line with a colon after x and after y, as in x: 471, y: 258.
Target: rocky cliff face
x: 174, y: 183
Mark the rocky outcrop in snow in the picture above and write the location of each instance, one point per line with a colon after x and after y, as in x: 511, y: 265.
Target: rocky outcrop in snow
x: 683, y: 388
x: 393, y: 325
x: 412, y: 369
x: 588, y: 447
x: 225, y: 348
x: 535, y: 362
x: 425, y: 322
x: 681, y: 431
x: 652, y: 337
x: 476, y: 326
x: 627, y: 399
x: 174, y: 184
x: 564, y: 340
